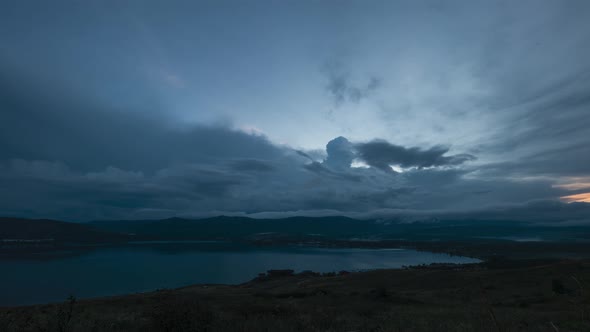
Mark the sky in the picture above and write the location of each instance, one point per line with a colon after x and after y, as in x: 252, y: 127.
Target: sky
x: 153, y: 109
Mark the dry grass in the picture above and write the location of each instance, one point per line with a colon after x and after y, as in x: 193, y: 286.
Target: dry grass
x: 516, y: 299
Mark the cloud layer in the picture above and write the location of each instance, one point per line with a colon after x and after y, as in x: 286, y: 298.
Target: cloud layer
x: 145, y: 110
x: 382, y: 154
x: 91, y: 162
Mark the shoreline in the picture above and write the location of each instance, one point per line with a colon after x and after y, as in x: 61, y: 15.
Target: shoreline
x: 419, y: 298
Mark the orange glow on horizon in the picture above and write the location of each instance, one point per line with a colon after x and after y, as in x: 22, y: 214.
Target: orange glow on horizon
x: 584, y: 197
x: 574, y: 186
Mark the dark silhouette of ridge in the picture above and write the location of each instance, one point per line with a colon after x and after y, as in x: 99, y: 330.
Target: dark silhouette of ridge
x: 47, y: 230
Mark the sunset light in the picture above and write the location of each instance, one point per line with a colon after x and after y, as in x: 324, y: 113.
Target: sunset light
x: 584, y: 197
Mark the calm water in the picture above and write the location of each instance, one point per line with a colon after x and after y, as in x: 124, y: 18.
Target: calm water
x: 140, y: 268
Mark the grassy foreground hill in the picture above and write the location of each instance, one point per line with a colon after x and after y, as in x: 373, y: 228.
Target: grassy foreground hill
x: 551, y: 296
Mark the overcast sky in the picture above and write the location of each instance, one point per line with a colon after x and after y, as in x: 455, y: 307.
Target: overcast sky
x: 151, y: 109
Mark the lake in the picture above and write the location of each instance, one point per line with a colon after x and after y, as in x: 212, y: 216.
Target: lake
x: 150, y: 266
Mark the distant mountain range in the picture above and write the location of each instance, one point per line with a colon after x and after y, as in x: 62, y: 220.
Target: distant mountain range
x: 18, y: 230
x: 338, y: 227
x: 291, y: 229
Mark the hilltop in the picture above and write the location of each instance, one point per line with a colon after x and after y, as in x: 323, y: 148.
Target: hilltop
x: 543, y: 296
x: 18, y: 234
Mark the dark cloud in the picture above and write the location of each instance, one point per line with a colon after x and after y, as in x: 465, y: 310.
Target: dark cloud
x: 252, y: 165
x: 80, y: 160
x: 344, y: 87
x: 340, y: 153
x: 382, y: 154
x: 44, y: 123
x: 304, y: 154
x: 53, y: 189
x: 320, y: 169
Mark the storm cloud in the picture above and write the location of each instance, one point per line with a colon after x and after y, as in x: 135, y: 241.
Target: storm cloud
x: 344, y: 87
x: 399, y: 108
x: 383, y: 155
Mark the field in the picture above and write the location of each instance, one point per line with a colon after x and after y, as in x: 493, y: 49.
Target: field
x: 536, y: 296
